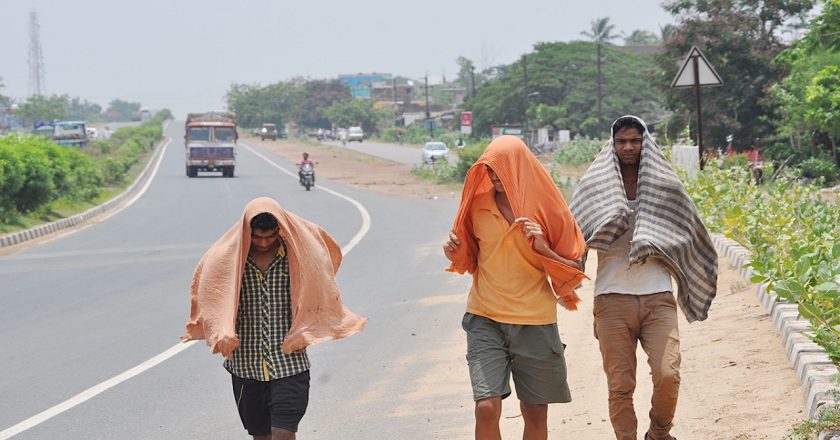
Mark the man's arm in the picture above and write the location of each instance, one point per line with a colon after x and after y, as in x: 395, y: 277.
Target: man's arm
x: 533, y: 230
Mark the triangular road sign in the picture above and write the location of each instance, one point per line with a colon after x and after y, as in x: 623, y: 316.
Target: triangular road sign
x: 707, y: 74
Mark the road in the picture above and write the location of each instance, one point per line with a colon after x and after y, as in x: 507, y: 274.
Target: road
x: 89, y: 306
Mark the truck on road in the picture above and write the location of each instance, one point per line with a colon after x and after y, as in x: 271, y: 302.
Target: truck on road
x: 67, y: 133
x: 210, y: 143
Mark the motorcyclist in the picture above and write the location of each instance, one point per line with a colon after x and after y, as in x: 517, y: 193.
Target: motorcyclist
x: 306, y: 161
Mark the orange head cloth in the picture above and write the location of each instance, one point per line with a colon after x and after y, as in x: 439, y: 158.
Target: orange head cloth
x: 317, y: 311
x: 532, y: 194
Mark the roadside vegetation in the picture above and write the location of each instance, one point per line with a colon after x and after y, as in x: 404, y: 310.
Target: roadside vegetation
x: 41, y: 181
x: 791, y: 233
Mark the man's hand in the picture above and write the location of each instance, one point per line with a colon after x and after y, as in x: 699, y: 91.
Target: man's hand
x: 533, y: 230
x: 451, y: 246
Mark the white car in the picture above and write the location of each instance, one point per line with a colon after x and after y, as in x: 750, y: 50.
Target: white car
x: 435, y: 152
x: 355, y: 134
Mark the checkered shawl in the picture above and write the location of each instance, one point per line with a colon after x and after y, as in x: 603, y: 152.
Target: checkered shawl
x: 667, y: 225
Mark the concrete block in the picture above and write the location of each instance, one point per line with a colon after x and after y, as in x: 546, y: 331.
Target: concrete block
x: 817, y: 396
x: 746, y: 273
x: 770, y: 300
x: 806, y: 361
x: 780, y: 309
x: 802, y: 347
x: 820, y: 374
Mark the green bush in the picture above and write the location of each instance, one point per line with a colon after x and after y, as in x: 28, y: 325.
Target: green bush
x: 735, y: 161
x: 35, y: 172
x: 467, y: 157
x: 578, y: 151
x: 791, y: 234
x: 11, y: 181
x: 815, y: 168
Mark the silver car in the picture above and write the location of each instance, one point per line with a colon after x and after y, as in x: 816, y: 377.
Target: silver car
x: 435, y: 152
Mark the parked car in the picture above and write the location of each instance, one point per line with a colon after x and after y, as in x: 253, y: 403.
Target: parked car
x: 355, y: 134
x: 435, y: 152
x: 268, y: 131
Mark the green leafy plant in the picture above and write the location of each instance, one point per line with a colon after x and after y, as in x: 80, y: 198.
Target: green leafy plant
x: 579, y: 150
x: 791, y: 233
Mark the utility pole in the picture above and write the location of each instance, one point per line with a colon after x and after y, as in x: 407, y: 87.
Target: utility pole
x: 37, y: 85
x: 428, y: 115
x: 525, y: 95
x: 394, y: 95
x: 472, y: 79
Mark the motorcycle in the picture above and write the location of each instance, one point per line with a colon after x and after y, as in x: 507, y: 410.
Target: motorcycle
x: 307, y: 175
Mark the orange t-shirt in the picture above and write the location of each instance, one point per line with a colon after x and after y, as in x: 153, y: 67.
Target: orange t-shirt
x: 510, y: 284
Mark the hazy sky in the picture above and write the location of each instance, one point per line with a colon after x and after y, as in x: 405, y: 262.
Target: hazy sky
x: 184, y: 54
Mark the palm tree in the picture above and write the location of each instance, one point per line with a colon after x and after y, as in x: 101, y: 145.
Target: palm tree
x: 601, y: 33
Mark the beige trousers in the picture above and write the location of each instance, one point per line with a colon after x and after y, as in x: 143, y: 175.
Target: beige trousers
x: 620, y: 321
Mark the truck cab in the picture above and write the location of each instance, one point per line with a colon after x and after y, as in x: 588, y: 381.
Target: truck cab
x: 67, y: 133
x: 210, y: 143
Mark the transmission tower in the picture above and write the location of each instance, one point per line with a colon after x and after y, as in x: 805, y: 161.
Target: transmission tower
x: 37, y: 85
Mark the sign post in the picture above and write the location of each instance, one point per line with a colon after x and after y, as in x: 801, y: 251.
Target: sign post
x: 699, y: 74
x: 466, y: 123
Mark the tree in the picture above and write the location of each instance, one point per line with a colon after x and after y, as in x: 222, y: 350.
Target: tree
x: 600, y: 33
x: 467, y: 78
x: 119, y: 110
x: 799, y: 136
x: 823, y: 100
x: 42, y: 108
x: 83, y: 110
x: 565, y: 78
x: 255, y: 104
x: 740, y: 38
x: 641, y: 38
x: 5, y: 101
x: 357, y: 113
x: 318, y: 96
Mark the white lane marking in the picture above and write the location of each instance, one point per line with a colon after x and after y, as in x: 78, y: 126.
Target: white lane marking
x: 118, y: 209
x: 92, y: 391
x: 365, y: 215
x: 177, y: 348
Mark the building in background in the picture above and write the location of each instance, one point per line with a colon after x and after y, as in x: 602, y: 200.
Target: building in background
x: 360, y: 84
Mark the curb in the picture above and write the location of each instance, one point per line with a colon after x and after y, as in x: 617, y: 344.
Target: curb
x: 810, y: 361
x: 58, y: 225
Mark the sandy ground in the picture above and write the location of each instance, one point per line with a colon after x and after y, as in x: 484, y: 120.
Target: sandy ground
x: 736, y: 380
x: 357, y: 169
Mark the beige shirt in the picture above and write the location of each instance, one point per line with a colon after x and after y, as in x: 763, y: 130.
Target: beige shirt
x: 616, y: 275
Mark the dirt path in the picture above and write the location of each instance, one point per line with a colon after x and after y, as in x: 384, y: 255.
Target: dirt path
x: 736, y: 380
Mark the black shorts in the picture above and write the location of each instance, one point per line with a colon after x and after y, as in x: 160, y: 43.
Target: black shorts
x: 279, y: 403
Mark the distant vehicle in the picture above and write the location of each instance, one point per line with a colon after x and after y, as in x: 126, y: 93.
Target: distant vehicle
x: 355, y: 134
x: 145, y: 115
x: 435, y: 152
x: 307, y: 175
x: 210, y: 143
x: 68, y: 133
x: 92, y: 133
x: 268, y: 131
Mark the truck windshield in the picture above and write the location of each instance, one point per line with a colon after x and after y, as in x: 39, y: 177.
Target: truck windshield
x: 199, y: 133
x: 69, y: 129
x: 223, y: 134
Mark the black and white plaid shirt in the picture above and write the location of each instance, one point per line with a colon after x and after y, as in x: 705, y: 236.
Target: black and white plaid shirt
x: 263, y: 319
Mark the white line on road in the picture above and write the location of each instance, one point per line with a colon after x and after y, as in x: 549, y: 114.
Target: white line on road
x: 119, y: 208
x: 365, y: 215
x: 177, y: 348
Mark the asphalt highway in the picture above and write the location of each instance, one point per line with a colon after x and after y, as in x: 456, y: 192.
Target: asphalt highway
x: 81, y: 310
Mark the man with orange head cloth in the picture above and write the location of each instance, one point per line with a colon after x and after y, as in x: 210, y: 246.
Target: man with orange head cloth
x: 515, y: 234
